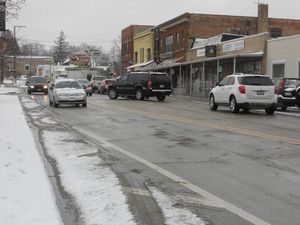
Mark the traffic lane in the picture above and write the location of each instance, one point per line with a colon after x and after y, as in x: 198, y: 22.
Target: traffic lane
x: 253, y: 174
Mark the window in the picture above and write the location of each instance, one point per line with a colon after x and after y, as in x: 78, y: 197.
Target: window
x: 178, y: 41
x: 278, y: 70
x: 27, y: 67
x: 141, y: 55
x: 135, y: 57
x: 224, y: 81
x: 169, y: 43
x: 231, y: 81
x: 148, y: 54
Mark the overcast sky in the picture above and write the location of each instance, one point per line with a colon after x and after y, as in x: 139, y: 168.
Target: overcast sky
x: 99, y: 22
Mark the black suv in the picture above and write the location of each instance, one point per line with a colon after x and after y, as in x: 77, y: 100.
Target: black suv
x: 37, y: 84
x: 141, y: 85
x: 287, y: 89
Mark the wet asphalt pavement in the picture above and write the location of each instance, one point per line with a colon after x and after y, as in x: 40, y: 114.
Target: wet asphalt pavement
x: 249, y: 160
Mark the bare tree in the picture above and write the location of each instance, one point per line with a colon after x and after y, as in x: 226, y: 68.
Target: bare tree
x: 13, y: 7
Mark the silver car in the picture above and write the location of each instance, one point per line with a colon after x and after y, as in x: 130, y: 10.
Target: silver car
x: 66, y: 91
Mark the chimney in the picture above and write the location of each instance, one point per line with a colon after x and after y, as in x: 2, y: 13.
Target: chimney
x: 263, y: 18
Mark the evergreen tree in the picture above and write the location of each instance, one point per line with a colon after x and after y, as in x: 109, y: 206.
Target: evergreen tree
x: 60, y: 49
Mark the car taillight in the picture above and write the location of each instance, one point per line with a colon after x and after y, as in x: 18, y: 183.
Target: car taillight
x: 149, y: 84
x: 275, y: 91
x: 242, y: 89
x: 281, y: 83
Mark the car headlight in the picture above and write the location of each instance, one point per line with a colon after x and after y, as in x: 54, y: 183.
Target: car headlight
x: 45, y: 86
x: 31, y: 86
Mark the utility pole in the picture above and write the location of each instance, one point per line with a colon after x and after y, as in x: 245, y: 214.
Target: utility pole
x: 15, y: 50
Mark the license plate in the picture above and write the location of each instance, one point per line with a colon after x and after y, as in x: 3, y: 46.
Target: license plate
x: 260, y: 92
x: 288, y: 94
x: 161, y: 86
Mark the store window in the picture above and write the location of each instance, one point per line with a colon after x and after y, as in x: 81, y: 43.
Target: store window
x: 169, y: 43
x: 141, y: 55
x: 27, y: 67
x: 278, y: 70
x: 148, y: 54
x: 135, y: 57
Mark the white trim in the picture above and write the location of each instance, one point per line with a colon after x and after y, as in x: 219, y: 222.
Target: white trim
x: 275, y: 62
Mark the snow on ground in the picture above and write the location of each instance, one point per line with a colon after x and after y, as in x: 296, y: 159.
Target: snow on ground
x: 95, y: 187
x: 26, y: 196
x: 173, y: 215
x: 8, y: 90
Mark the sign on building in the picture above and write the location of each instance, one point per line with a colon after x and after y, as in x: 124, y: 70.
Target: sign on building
x: 234, y: 46
x: 2, y: 15
x: 211, y: 51
x: 156, y: 35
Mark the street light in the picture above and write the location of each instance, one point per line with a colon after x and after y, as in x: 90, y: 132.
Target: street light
x: 15, y: 50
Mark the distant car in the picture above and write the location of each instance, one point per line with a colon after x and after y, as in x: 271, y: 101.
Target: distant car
x: 246, y: 91
x: 66, y: 91
x: 104, y: 85
x: 287, y: 89
x: 95, y: 82
x: 141, y: 85
x: 86, y: 85
x: 37, y: 84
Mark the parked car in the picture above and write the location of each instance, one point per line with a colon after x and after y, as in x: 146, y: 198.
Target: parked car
x: 141, y: 85
x: 66, y: 91
x: 246, y: 91
x: 86, y: 85
x: 104, y: 85
x: 298, y: 96
x: 287, y: 88
x: 37, y: 84
x: 95, y: 81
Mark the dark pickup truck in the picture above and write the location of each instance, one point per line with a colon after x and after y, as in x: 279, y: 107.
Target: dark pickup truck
x: 288, y: 92
x: 141, y: 85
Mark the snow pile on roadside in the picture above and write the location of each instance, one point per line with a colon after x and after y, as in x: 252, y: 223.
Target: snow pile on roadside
x: 95, y: 187
x: 25, y: 193
x: 173, y: 215
x: 8, y: 90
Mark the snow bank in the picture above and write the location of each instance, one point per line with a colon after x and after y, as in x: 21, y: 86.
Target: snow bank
x: 25, y: 193
x: 95, y: 187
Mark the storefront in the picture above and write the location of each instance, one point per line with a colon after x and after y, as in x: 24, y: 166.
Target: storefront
x: 201, y: 73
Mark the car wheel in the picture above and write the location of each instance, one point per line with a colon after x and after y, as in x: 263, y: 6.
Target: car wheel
x: 270, y: 110
x: 112, y: 94
x: 246, y: 110
x: 84, y: 104
x: 283, y: 107
x: 161, y: 97
x: 139, y: 94
x: 212, y: 104
x: 233, y: 105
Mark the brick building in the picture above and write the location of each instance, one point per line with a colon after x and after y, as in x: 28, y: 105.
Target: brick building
x: 177, y: 34
x: 127, y: 42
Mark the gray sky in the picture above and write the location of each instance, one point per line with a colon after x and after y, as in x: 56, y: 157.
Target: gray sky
x: 99, y: 22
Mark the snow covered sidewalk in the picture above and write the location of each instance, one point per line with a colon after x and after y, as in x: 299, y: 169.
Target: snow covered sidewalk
x: 26, y: 196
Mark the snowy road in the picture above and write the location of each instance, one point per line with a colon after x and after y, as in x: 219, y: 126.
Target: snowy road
x: 157, y: 160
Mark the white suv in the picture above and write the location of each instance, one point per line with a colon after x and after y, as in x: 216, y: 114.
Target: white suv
x: 244, y: 91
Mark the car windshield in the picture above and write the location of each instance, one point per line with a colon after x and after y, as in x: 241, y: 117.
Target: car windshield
x: 68, y: 84
x: 255, y: 81
x: 98, y: 78
x: 38, y: 80
x: 83, y: 81
x: 292, y: 83
x: 160, y: 77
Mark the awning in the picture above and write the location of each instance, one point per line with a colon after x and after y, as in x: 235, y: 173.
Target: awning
x: 138, y: 65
